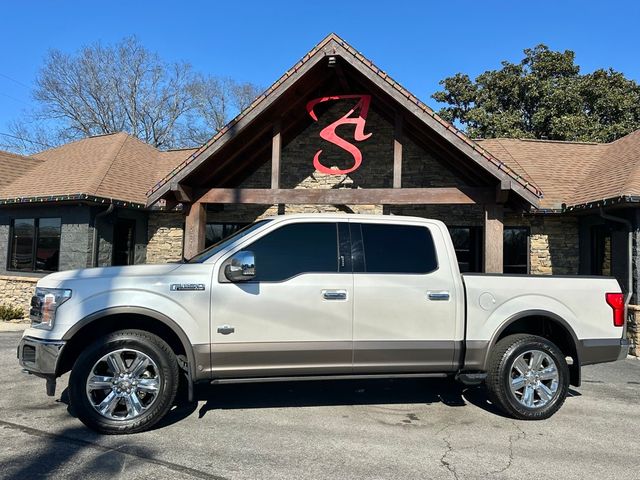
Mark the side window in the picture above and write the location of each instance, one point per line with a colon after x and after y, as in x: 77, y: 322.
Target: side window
x: 398, y: 249
x: 295, y: 249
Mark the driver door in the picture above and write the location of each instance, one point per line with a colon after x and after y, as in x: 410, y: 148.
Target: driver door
x: 295, y: 316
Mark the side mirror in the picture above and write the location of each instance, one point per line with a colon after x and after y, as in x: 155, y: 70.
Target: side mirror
x: 241, y: 267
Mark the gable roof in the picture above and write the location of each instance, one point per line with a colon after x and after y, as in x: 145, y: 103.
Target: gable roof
x: 114, y: 167
x: 333, y: 45
x: 574, y: 174
x: 14, y: 166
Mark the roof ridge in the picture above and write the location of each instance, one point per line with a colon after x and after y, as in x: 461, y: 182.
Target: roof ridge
x: 83, y: 139
x: 18, y: 155
x: 110, y: 163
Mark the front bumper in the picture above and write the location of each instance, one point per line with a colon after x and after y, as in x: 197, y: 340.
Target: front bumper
x: 39, y: 356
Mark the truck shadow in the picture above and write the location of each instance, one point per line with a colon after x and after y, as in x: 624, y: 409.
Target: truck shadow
x: 341, y: 392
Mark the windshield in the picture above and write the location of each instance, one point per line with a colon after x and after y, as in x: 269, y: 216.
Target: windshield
x: 215, y: 248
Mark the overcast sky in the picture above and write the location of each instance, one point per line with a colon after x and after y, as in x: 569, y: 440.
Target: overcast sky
x: 418, y: 43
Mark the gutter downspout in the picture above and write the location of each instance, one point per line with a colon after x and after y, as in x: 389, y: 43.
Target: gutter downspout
x: 94, y: 252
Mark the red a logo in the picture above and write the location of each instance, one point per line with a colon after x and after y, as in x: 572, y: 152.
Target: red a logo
x: 329, y: 132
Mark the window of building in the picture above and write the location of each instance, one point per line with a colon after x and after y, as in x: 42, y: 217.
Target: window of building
x: 467, y: 242
x: 398, y: 249
x: 34, y: 245
x: 516, y: 250
x: 296, y: 249
x: 216, y: 232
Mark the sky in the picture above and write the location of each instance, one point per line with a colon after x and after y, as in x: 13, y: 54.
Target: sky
x: 417, y: 42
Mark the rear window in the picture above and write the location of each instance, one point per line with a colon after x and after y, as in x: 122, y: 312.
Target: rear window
x: 398, y: 249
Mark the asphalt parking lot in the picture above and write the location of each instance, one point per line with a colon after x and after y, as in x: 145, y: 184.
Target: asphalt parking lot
x: 423, y: 429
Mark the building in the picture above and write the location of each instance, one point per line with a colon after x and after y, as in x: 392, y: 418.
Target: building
x: 334, y: 133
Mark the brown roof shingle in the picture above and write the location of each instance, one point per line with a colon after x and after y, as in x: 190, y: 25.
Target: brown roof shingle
x: 115, y: 166
x: 558, y: 168
x: 13, y: 166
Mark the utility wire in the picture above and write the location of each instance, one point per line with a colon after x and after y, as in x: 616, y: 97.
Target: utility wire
x: 14, y: 80
x: 26, y: 140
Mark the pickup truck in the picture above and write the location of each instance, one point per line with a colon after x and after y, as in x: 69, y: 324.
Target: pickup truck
x: 306, y: 297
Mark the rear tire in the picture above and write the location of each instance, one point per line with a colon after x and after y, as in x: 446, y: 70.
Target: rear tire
x: 528, y: 377
x: 124, y: 382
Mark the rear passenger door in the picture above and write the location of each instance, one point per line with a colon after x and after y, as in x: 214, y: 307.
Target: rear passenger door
x: 404, y: 299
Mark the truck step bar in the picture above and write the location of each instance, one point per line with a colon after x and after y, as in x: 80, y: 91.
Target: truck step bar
x: 220, y: 381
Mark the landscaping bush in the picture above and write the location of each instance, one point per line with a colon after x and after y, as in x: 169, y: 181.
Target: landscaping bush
x: 9, y: 312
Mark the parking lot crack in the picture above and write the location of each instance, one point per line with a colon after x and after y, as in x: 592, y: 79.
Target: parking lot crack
x: 449, y: 448
x: 521, y: 435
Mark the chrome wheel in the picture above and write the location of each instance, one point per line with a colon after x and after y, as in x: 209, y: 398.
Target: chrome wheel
x: 123, y: 384
x: 534, y: 379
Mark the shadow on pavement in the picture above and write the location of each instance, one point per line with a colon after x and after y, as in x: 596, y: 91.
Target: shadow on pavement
x: 341, y: 392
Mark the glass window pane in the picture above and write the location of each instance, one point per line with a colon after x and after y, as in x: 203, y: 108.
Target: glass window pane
x: 22, y: 239
x: 48, y: 248
x: 295, y: 249
x: 216, y: 232
x: 398, y: 249
x: 515, y: 253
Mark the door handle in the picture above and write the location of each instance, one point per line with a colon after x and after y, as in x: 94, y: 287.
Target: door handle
x: 334, y: 294
x: 440, y: 295
x: 226, y: 329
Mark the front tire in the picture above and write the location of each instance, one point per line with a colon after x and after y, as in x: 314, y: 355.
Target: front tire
x: 124, y: 382
x: 528, y: 377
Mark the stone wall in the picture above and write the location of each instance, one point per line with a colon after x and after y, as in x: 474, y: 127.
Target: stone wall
x: 166, y: 232
x: 633, y: 330
x: 17, y: 292
x: 553, y: 243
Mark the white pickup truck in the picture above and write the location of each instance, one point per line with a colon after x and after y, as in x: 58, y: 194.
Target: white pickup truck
x: 315, y: 297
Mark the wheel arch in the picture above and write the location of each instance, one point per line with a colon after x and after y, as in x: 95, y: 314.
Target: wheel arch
x: 545, y: 324
x: 125, y: 317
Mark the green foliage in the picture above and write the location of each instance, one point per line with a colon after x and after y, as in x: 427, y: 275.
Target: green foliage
x: 9, y: 312
x: 543, y: 96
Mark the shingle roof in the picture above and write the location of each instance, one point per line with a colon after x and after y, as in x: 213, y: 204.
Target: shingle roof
x: 557, y: 167
x: 13, y: 166
x: 615, y: 174
x: 334, y: 43
x: 573, y: 173
x: 115, y: 167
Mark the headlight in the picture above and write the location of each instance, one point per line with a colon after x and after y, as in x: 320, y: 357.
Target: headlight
x: 44, y: 305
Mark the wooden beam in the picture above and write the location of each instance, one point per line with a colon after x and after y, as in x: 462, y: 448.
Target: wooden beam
x: 493, y: 238
x: 348, y: 196
x: 183, y: 193
x: 276, y: 153
x: 502, y: 191
x: 195, y: 229
x: 397, y: 152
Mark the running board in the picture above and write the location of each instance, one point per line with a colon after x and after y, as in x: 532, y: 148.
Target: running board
x: 220, y: 381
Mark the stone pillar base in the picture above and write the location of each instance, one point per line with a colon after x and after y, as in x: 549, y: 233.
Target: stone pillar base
x: 633, y: 330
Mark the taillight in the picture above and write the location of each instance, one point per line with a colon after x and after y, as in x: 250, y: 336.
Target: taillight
x: 616, y: 302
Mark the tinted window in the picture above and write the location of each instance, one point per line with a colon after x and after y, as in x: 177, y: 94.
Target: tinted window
x: 467, y: 242
x: 398, y: 249
x: 295, y: 249
x: 516, y: 250
x: 216, y: 232
x: 35, y: 244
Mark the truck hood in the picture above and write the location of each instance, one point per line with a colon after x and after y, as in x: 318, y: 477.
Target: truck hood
x: 56, y: 279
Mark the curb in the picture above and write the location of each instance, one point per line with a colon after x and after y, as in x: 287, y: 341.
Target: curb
x: 13, y: 327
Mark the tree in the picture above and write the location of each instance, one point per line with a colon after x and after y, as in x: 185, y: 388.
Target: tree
x: 126, y: 88
x: 543, y: 96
